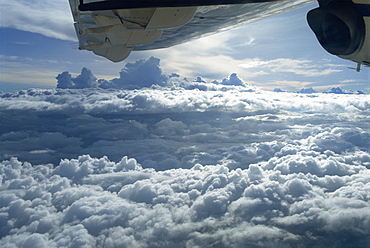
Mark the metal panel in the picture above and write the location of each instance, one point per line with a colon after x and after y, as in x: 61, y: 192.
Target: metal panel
x: 171, y: 17
x: 132, y: 4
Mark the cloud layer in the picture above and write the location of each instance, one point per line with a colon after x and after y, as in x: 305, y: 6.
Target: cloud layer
x: 182, y: 126
x: 159, y: 161
x: 304, y: 198
x: 225, y: 175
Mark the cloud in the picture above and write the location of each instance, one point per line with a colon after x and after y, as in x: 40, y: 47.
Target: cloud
x: 52, y: 19
x: 233, y: 79
x: 85, y: 80
x: 307, y: 91
x: 172, y: 127
x: 148, y: 73
x: 188, y: 164
x: 140, y: 74
x: 302, y: 67
x: 96, y: 202
x: 290, y: 85
x: 337, y: 90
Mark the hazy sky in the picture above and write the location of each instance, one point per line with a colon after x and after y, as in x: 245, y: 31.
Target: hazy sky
x: 38, y: 42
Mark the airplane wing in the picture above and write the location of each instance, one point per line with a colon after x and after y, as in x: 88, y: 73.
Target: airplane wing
x: 114, y: 28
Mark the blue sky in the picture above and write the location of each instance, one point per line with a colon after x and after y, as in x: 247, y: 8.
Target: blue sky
x: 280, y: 51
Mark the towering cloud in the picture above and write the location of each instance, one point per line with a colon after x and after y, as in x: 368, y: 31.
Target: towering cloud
x: 233, y: 79
x: 307, y: 91
x: 85, y: 80
x: 142, y: 74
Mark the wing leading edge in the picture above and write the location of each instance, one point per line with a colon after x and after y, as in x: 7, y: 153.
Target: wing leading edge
x: 113, y: 29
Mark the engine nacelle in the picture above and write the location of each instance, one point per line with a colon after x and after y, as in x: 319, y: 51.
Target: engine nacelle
x: 339, y: 27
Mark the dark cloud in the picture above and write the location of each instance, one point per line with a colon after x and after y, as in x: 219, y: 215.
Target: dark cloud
x: 306, y: 91
x: 338, y: 90
x: 85, y: 80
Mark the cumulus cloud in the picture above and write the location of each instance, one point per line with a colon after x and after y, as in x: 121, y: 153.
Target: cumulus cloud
x: 143, y: 74
x: 176, y: 166
x: 139, y: 74
x: 89, y: 202
x: 233, y: 79
x: 85, y: 80
x: 147, y: 73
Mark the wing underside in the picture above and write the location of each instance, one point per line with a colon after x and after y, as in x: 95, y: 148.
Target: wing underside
x: 114, y: 33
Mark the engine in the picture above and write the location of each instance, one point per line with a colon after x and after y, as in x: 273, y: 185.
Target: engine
x: 340, y: 28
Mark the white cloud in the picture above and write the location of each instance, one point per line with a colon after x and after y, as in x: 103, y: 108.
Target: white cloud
x: 287, y: 85
x: 195, y: 164
x: 256, y: 70
x: 50, y: 18
x: 147, y: 73
x: 348, y: 81
x: 252, y: 63
x: 302, y: 67
x: 201, y: 206
x: 247, y: 68
x: 167, y: 166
